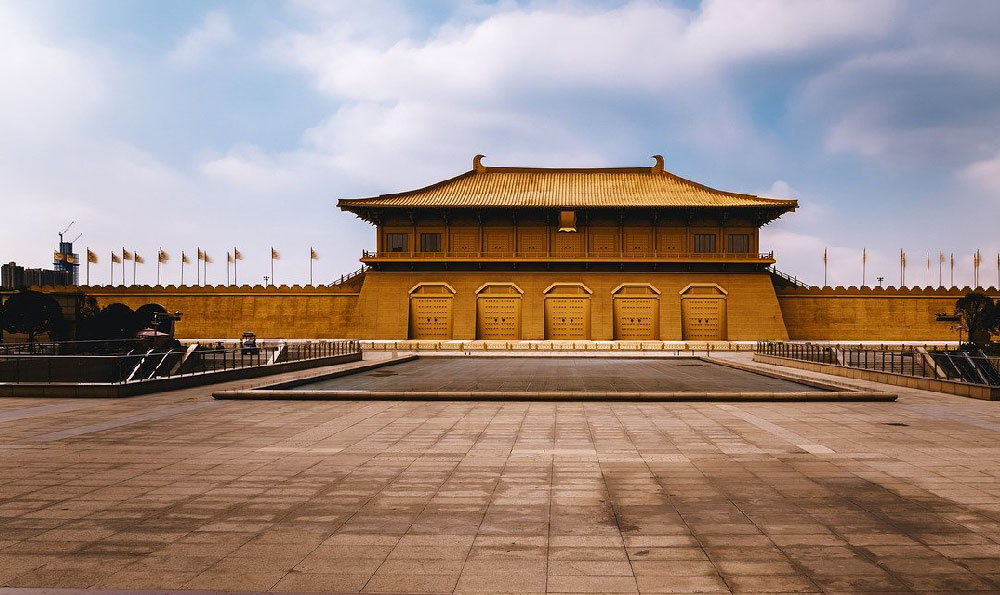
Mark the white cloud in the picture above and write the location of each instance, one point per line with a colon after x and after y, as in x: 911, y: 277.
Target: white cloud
x: 919, y: 99
x: 214, y: 32
x: 46, y: 87
x: 781, y: 189
x: 983, y: 175
x: 411, y: 100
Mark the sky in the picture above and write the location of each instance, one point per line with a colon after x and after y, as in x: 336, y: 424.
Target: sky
x: 184, y: 124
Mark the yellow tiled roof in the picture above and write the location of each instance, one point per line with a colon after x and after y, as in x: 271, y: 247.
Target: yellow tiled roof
x: 541, y: 187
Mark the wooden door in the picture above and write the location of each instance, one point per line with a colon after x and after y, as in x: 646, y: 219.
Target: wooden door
x: 704, y: 319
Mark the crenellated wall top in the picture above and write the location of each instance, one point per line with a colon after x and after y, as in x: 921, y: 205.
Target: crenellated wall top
x: 200, y: 289
x: 853, y: 290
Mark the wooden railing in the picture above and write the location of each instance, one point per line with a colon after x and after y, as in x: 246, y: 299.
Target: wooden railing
x: 585, y: 255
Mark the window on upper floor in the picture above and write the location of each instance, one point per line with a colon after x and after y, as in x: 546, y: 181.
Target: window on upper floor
x: 430, y: 242
x: 704, y: 242
x: 739, y: 242
x: 396, y: 242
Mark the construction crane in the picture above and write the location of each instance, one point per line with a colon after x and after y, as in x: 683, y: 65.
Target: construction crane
x: 65, y: 230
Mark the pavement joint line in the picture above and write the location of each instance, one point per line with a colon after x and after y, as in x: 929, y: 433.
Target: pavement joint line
x: 773, y: 428
x: 40, y: 410
x: 122, y: 421
x: 947, y: 413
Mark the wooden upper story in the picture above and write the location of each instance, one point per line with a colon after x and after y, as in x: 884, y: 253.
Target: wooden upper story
x: 631, y: 215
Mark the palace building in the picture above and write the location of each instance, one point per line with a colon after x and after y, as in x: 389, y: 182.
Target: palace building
x: 633, y: 253
x: 530, y: 254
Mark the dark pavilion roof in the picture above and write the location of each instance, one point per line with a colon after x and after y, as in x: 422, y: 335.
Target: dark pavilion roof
x: 519, y: 187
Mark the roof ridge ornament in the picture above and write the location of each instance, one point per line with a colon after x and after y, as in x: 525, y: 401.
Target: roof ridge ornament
x: 477, y: 164
x: 658, y: 167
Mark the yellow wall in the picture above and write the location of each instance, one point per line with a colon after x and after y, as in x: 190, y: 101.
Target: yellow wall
x: 376, y: 306
x: 852, y: 314
x: 226, y: 312
x: 753, y: 311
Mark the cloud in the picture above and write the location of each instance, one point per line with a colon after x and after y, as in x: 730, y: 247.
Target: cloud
x: 528, y: 84
x: 929, y: 95
x: 393, y: 96
x: 781, y: 189
x: 214, y: 32
x: 983, y: 175
x: 46, y: 86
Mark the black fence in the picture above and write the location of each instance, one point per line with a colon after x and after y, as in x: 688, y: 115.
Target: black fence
x: 963, y: 366
x: 99, y: 347
x: 142, y: 365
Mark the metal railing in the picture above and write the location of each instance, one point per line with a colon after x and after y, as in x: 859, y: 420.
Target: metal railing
x: 786, y: 277
x: 101, y: 346
x: 344, y: 278
x: 140, y: 366
x: 909, y: 360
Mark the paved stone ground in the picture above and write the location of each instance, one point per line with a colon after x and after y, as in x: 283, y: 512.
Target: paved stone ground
x: 436, y: 373
x: 177, y: 491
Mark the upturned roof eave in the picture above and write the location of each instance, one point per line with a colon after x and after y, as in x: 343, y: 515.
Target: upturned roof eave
x: 386, y: 200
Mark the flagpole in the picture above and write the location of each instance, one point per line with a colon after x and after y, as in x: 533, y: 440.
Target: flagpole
x: 234, y: 266
x: 124, y: 282
x: 902, y: 268
x: 133, y: 268
x: 952, y: 269
x: 112, y: 265
x: 197, y: 269
x: 182, y: 268
x: 227, y: 269
x: 158, y: 252
x: 824, y: 268
x: 864, y: 265
x: 88, y: 266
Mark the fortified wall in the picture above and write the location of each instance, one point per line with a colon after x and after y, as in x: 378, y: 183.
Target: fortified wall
x: 380, y: 306
x: 871, y: 314
x: 221, y: 312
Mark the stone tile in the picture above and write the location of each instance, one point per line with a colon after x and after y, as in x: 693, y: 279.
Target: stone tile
x: 681, y: 584
x: 410, y: 583
x: 504, y: 497
x: 322, y: 582
x: 591, y: 584
x: 502, y: 582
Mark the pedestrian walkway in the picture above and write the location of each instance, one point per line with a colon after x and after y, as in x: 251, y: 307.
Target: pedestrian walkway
x: 179, y: 491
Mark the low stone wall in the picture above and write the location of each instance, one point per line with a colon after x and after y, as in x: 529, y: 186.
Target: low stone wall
x: 870, y: 314
x: 963, y: 389
x: 129, y: 389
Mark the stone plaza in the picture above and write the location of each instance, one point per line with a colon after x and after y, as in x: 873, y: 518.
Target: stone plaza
x: 176, y: 491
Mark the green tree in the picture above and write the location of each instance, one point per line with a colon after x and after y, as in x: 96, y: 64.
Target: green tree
x: 116, y: 321
x: 86, y: 323
x: 980, y: 317
x: 31, y: 313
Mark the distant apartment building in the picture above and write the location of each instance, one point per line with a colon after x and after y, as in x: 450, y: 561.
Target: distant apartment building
x: 13, y: 276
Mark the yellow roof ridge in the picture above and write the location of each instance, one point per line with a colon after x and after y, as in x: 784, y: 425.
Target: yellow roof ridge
x: 508, y: 186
